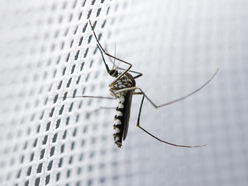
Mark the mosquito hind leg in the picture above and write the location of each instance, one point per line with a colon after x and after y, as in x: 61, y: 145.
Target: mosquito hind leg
x: 179, y: 99
x: 168, y: 103
x: 138, y: 125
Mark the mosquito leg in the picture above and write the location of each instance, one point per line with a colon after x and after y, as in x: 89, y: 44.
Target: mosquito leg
x: 139, y: 74
x: 138, y: 125
x: 168, y: 103
x: 158, y: 106
x: 99, y: 97
x: 100, y: 108
x: 106, y: 53
x: 135, y: 77
x: 125, y: 89
x: 113, y: 93
x: 179, y: 99
x: 107, y: 108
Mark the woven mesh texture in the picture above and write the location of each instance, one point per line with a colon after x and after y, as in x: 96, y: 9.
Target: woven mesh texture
x: 48, y: 53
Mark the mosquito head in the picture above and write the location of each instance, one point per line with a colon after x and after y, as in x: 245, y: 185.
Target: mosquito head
x: 113, y: 73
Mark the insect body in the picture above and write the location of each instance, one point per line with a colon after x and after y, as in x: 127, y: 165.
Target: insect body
x: 123, y: 88
x: 122, y: 115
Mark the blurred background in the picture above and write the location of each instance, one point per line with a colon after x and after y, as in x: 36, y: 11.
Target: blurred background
x: 48, y: 55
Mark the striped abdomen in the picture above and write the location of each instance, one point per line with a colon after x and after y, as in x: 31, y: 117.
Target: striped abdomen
x: 122, y: 116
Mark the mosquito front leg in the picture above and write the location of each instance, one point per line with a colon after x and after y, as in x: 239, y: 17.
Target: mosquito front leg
x: 106, y: 53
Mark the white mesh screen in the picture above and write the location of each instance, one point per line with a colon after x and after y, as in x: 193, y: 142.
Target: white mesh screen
x: 47, y: 52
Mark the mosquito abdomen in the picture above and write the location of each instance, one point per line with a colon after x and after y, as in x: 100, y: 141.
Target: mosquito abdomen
x: 118, y: 121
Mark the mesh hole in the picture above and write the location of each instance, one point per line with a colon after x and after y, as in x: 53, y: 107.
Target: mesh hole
x: 71, y: 107
x: 75, y: 31
x: 60, y: 162
x: 80, y: 41
x: 61, y: 110
x: 19, y: 174
x: 26, y: 183
x: 52, y: 151
x: 70, y: 160
x: 76, y: 56
x: 50, y: 165
x: 68, y: 173
x: 51, y: 113
x: 64, y: 136
x: 55, y: 137
x: 47, y: 179
x: 32, y: 157
x: 93, y: 2
x: 35, y: 142
x: 68, y: 57
x: 86, y: 52
x: 80, y: 15
x: 58, y: 176
x: 72, y: 145
x: 42, y: 153
x: 39, y: 169
x: 98, y: 12
x: 48, y: 126
x: 89, y: 13
x: 29, y: 171
x: 45, y: 140
x: 84, y: 3
x: 58, y: 123
x: 69, y: 83
x: 37, y: 181
x: 56, y: 96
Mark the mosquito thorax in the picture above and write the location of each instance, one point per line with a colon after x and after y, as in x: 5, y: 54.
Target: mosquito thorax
x: 113, y: 73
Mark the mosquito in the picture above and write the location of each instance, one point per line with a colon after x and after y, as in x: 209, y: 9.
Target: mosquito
x: 124, y: 88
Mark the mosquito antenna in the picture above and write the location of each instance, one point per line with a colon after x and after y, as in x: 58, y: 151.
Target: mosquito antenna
x: 114, y: 58
x: 110, y: 58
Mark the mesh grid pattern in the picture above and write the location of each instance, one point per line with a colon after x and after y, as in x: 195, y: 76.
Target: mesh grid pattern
x: 47, y: 53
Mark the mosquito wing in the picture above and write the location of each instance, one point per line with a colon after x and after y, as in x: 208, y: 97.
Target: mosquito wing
x: 128, y: 102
